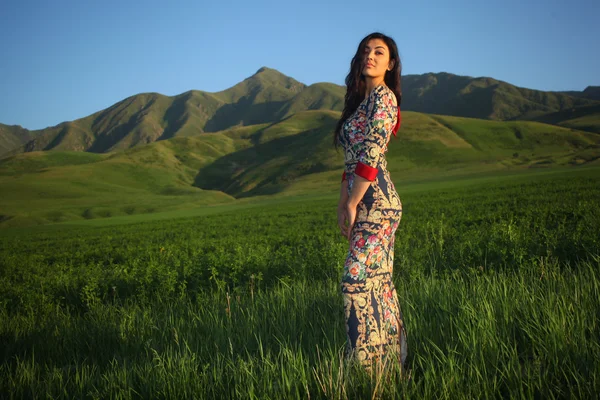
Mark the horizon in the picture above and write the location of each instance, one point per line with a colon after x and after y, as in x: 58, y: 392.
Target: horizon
x: 88, y: 67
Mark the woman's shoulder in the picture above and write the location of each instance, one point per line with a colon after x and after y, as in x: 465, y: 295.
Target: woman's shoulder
x: 384, y: 95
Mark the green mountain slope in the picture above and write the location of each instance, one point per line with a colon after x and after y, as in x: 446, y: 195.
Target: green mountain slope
x: 590, y: 92
x: 257, y: 99
x: 482, y: 97
x: 269, y: 96
x: 426, y: 146
x: 12, y: 136
x: 283, y: 152
x: 319, y: 96
x: 149, y: 117
x: 42, y: 187
x: 583, y: 118
x: 293, y: 156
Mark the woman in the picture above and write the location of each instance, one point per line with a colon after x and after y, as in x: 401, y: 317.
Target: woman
x: 369, y: 203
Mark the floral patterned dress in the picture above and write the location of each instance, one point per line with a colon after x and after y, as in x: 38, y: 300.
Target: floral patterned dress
x: 374, y: 322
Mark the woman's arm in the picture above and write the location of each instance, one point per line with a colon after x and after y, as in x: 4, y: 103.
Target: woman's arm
x: 376, y: 138
x: 342, y: 213
x: 346, y: 210
x: 343, y: 194
x: 359, y: 187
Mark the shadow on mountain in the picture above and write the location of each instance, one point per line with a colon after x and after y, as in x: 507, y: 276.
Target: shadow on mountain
x: 106, y: 140
x: 244, y: 113
x: 431, y: 93
x: 449, y: 95
x: 267, y: 168
x: 56, y: 141
x: 583, y: 118
x: 175, y: 116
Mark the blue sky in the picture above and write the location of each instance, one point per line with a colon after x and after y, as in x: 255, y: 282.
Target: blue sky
x: 63, y: 60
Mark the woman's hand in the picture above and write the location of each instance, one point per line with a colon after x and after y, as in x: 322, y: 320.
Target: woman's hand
x: 351, y: 217
x: 348, y: 204
x: 342, y: 216
x: 346, y: 217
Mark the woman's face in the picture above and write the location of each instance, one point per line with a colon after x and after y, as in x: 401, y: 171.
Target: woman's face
x: 376, y: 59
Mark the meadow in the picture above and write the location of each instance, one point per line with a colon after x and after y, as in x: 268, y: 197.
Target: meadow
x: 498, y: 279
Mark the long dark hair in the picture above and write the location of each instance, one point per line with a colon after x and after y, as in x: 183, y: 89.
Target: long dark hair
x: 355, y: 81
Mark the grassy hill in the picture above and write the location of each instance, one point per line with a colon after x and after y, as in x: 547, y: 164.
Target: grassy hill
x: 427, y: 146
x: 583, y: 118
x: 285, y: 158
x: 268, y: 96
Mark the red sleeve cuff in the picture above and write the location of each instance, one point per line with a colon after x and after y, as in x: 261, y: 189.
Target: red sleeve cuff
x: 344, y: 176
x: 397, y: 123
x: 367, y: 172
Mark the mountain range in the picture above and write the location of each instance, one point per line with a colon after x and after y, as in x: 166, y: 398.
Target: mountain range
x: 269, y: 96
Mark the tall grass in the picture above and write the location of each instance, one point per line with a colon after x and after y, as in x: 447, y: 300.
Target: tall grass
x: 498, y: 282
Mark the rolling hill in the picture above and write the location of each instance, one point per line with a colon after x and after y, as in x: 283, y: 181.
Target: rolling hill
x: 582, y: 118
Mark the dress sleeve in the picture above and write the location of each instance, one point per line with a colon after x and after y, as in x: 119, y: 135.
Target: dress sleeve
x: 376, y: 134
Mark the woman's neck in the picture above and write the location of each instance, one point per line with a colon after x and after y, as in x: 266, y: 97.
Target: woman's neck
x: 371, y: 83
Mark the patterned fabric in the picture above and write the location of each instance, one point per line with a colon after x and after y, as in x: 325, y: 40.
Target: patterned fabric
x: 374, y: 322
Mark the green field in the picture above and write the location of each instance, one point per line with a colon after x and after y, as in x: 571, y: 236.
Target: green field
x: 497, y: 274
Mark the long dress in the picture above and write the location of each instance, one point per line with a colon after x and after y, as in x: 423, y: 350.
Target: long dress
x: 374, y: 322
